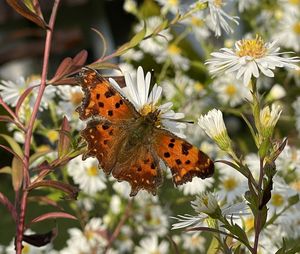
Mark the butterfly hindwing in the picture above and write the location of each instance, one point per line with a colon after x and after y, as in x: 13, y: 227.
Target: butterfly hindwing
x: 102, y: 99
x: 184, y: 159
x: 102, y: 142
x: 141, y: 170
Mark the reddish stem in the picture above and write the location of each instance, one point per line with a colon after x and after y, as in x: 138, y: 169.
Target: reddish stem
x: 28, y: 136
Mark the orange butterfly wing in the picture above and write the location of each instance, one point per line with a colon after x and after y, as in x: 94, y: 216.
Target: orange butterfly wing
x: 102, y: 142
x: 102, y: 99
x: 184, y: 159
x: 141, y: 170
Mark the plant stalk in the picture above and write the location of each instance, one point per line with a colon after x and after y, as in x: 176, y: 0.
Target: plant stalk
x: 29, y: 131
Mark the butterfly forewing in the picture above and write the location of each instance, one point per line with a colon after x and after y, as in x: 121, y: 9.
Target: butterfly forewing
x: 184, y: 159
x: 102, y: 99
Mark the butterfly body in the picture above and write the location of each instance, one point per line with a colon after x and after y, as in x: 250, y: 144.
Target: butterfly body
x: 130, y: 144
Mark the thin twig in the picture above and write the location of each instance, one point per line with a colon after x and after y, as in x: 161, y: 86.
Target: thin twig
x: 28, y: 135
x: 117, y: 230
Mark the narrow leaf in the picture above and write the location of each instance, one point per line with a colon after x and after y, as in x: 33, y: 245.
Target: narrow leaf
x: 13, y: 144
x: 40, y: 240
x: 5, y: 201
x: 10, y: 151
x: 64, y: 138
x: 63, y: 68
x: 104, y: 65
x: 20, y: 7
x: 38, y: 155
x: 45, y: 200
x: 23, y: 97
x: 53, y: 215
x: 5, y: 170
x: 70, y: 190
x: 17, y: 173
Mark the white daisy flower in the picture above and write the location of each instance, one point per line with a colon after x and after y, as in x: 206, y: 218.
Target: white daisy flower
x: 246, y: 4
x: 205, y: 202
x: 87, y: 175
x: 169, y: 6
x: 268, y: 119
x: 173, y: 54
x: 287, y: 33
x: 154, y: 44
x: 280, y: 194
x: 232, y: 185
x: 232, y: 211
x: 197, y: 23
x: 92, y: 239
x: 288, y: 160
x: 196, y: 186
x: 193, y: 242
x: 151, y: 245
x: 230, y: 90
x: 218, y: 18
x: 249, y: 58
x: 137, y: 92
x: 213, y: 125
x: 152, y: 219
x: 277, y: 92
x: 10, y: 91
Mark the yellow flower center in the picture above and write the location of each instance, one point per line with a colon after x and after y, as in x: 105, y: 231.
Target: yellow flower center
x: 218, y: 3
x: 296, y: 28
x: 296, y: 185
x: 230, y: 90
x: 26, y: 249
x: 277, y: 200
x: 198, y: 86
x: 249, y: 224
x: 174, y: 49
x: 146, y: 109
x: 254, y: 48
x: 230, y: 184
x: 205, y: 201
x: 52, y: 135
x: 196, y: 240
x: 197, y: 22
x: 76, y: 98
x: 173, y: 2
x: 92, y: 171
x: 43, y: 148
x: 294, y: 2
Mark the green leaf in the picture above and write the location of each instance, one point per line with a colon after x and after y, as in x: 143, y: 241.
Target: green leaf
x: 103, y: 66
x: 214, y: 246
x: 6, y: 170
x: 13, y: 144
x: 64, y: 138
x: 17, y: 173
x: 37, y: 155
x: 135, y: 40
x: 293, y: 200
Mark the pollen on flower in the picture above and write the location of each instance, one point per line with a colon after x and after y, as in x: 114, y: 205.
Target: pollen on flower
x: 249, y: 223
x: 218, y: 3
x: 296, y: 28
x: 52, y: 135
x: 174, y: 50
x: 294, y: 2
x: 76, y: 98
x: 146, y: 109
x: 277, y: 200
x: 230, y: 184
x: 231, y: 90
x: 92, y: 171
x: 197, y: 22
x: 251, y: 47
x: 173, y: 2
x: 198, y: 86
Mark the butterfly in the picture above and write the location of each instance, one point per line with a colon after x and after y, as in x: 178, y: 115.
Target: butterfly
x: 130, y: 145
